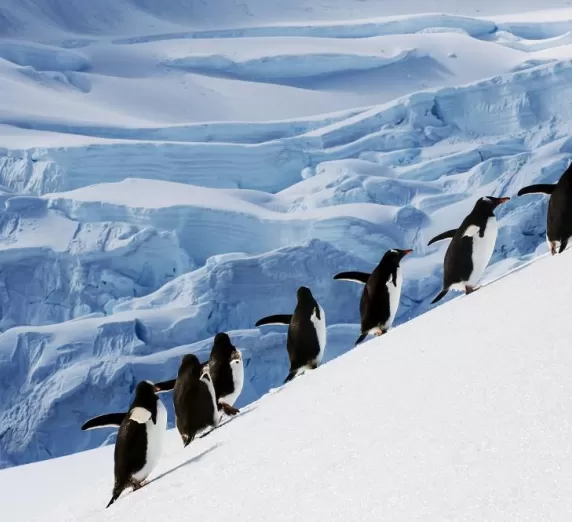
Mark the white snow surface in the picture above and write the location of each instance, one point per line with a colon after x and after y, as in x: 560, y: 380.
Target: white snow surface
x: 461, y: 414
x: 170, y: 169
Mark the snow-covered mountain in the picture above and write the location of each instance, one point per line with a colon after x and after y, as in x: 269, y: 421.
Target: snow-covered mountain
x: 461, y: 414
x: 171, y: 169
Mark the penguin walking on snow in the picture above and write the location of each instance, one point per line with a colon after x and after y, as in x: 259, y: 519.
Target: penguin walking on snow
x: 559, y: 216
x: 194, y: 398
x: 139, y: 440
x: 381, y: 294
x: 306, y: 341
x: 227, y: 371
x: 471, y: 247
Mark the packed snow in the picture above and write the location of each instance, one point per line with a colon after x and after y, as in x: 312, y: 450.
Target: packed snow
x: 461, y: 414
x: 169, y: 170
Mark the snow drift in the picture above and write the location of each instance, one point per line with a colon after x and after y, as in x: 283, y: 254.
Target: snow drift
x: 461, y: 414
x: 148, y: 202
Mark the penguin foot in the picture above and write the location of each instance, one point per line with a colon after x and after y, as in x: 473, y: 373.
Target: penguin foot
x: 470, y: 289
x: 137, y: 485
x: 228, y: 409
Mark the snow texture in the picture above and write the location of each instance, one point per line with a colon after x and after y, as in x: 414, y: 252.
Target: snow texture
x: 172, y: 169
x: 437, y: 420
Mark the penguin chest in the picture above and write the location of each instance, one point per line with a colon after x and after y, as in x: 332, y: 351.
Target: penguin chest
x: 394, y: 291
x: 155, y: 434
x: 237, y: 369
x: 482, y: 250
x: 216, y: 416
x: 320, y: 327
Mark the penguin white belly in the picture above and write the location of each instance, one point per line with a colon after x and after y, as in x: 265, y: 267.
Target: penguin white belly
x: 216, y: 415
x: 394, y: 296
x: 483, y: 248
x: 320, y: 326
x: 155, y: 436
x: 238, y: 380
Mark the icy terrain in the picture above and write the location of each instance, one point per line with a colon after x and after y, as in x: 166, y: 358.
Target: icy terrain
x: 173, y: 169
x: 461, y: 414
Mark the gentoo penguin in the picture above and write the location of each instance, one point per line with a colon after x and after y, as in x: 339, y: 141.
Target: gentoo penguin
x: 194, y: 399
x: 471, y: 247
x: 139, y: 440
x: 306, y: 339
x: 559, y: 216
x: 380, y: 296
x: 227, y: 372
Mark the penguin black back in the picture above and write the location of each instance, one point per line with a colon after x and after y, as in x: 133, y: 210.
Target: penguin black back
x: 193, y: 398
x: 131, y: 454
x: 376, y: 308
x: 303, y: 343
x: 306, y: 338
x: 559, y: 216
x: 219, y: 364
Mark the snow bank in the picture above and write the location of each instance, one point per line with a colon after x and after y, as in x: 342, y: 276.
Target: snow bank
x: 467, y: 424
x: 54, y: 269
x: 182, y: 208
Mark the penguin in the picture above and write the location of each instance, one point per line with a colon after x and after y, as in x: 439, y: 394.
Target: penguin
x: 306, y: 341
x: 139, y: 440
x: 559, y: 216
x: 471, y: 247
x: 194, y: 399
x: 227, y: 371
x: 381, y: 294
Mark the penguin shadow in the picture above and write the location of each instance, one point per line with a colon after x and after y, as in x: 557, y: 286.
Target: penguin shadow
x: 242, y: 413
x: 194, y: 458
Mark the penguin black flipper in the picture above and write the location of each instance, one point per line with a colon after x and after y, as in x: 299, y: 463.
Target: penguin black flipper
x: 542, y: 188
x: 165, y: 386
x: 109, y: 420
x: 444, y: 235
x: 275, y: 319
x: 360, y: 338
x: 440, y: 296
x: 357, y: 277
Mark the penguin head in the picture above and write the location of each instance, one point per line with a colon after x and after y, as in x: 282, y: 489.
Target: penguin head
x: 190, y: 364
x: 304, y: 294
x: 305, y: 298
x: 488, y: 204
x: 223, y: 349
x: 395, y: 255
x: 145, y: 392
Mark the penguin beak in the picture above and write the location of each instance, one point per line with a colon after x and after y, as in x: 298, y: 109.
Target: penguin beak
x: 503, y: 200
x: 157, y: 388
x: 408, y: 251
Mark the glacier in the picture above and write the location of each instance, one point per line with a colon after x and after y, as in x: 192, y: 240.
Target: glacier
x: 165, y: 177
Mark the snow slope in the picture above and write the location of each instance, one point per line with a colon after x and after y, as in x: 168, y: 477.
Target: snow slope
x: 173, y: 169
x: 461, y: 414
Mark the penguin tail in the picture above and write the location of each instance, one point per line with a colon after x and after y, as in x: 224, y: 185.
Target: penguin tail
x: 117, y: 490
x: 563, y: 245
x: 360, y: 338
x: 440, y: 296
x: 187, y: 439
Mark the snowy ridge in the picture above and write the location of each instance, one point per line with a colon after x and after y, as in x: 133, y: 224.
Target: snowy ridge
x: 467, y: 427
x: 182, y: 208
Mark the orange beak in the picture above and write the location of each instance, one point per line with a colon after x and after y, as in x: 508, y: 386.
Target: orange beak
x: 503, y: 200
x: 408, y: 251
